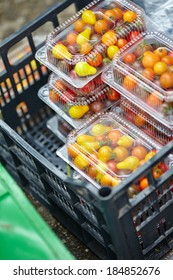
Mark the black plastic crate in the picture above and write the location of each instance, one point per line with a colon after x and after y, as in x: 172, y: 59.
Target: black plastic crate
x: 103, y: 220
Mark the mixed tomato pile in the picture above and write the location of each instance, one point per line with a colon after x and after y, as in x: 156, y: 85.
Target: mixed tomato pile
x: 79, y: 107
x: 154, y: 65
x: 94, y: 39
x: 146, y: 123
x: 107, y: 154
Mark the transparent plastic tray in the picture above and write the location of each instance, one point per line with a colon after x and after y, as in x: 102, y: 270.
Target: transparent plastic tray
x: 59, y: 127
x: 107, y: 149
x: 76, y: 110
x: 92, y: 88
x: 144, y: 121
x: 140, y: 94
x: 78, y: 49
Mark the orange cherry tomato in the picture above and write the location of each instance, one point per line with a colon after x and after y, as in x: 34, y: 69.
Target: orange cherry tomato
x: 109, y: 15
x: 129, y: 16
x: 73, y: 150
x: 139, y: 152
x: 101, y: 26
x: 119, y: 13
x: 143, y: 183
x: 161, y: 52
x: 95, y: 59
x: 109, y: 38
x: 157, y: 172
x: 148, y: 73
x: 166, y: 80
x: 129, y: 82
x: 150, y: 59
x: 153, y: 100
x: 129, y: 58
x: 106, y: 180
x: 79, y: 25
x: 167, y: 59
x: 85, y: 48
x: 114, y: 135
x: 71, y: 38
x: 121, y: 42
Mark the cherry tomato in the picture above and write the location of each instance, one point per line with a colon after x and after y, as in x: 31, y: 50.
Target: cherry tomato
x: 156, y: 172
x: 79, y: 25
x: 109, y: 38
x: 163, y: 167
x: 101, y: 26
x: 121, y: 42
x: 118, y: 12
x: 112, y: 166
x: 148, y: 73
x: 109, y: 15
x: 85, y: 48
x: 106, y: 180
x: 133, y: 34
x: 160, y: 68
x: 161, y: 52
x: 166, y: 80
x: 95, y: 59
x: 129, y: 16
x: 129, y: 82
x: 71, y: 38
x: 143, y: 183
x: 113, y: 94
x: 129, y: 58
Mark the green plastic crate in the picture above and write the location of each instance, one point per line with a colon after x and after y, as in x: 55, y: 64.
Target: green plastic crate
x: 23, y: 233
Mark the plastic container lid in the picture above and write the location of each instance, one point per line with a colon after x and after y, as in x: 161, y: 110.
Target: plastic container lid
x: 144, y: 121
x: 78, y: 49
x: 74, y: 109
x: 107, y: 149
x: 92, y: 88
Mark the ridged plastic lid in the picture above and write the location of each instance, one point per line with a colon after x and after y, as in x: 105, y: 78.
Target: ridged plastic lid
x: 79, y: 55
x: 104, y: 149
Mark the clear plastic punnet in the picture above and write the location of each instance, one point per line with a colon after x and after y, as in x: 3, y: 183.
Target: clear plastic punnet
x: 82, y: 47
x: 144, y: 121
x: 143, y: 73
x: 107, y: 149
x: 92, y: 88
x: 59, y: 127
x: 75, y: 109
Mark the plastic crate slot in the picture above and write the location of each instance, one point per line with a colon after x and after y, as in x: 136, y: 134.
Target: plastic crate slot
x: 93, y: 231
x: 31, y: 176
x: 64, y: 204
x: 39, y: 35
x: 18, y: 51
x: 66, y: 13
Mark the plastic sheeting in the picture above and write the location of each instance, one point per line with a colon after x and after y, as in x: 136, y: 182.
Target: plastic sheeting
x: 160, y: 12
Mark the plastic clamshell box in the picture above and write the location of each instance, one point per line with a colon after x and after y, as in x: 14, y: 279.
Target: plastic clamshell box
x: 106, y: 137
x: 128, y: 79
x: 144, y: 121
x: 92, y: 88
x: 88, y: 58
x: 75, y: 109
x: 59, y: 127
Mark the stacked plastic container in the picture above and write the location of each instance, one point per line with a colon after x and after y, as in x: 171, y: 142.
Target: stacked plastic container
x: 78, y: 52
x: 143, y: 73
